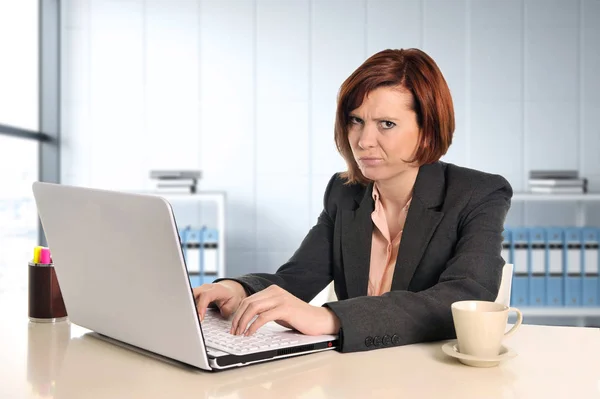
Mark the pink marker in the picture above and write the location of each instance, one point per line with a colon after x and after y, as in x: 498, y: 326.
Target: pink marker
x: 45, y: 258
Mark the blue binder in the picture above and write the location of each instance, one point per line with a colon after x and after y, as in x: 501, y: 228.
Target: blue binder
x: 554, y: 268
x: 209, y: 256
x: 187, y: 236
x: 590, y: 266
x: 190, y: 239
x: 200, y: 252
x: 184, y: 235
x: 573, y: 270
x: 537, y: 267
x: 519, y: 254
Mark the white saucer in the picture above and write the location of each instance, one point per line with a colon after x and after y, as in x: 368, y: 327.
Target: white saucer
x: 451, y: 349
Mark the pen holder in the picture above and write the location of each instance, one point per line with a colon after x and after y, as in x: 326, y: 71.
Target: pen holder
x: 46, y: 303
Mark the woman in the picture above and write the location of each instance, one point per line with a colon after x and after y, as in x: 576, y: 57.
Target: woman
x: 402, y: 235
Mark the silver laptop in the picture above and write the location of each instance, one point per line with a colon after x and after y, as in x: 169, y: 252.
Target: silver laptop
x: 122, y: 274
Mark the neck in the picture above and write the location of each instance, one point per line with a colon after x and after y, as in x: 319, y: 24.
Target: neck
x: 396, y: 191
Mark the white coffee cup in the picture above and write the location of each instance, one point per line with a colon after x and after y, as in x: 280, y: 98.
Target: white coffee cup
x: 480, y: 326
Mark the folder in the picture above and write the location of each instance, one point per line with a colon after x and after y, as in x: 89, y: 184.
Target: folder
x: 190, y: 240
x: 200, y: 250
x: 573, y: 271
x: 520, y: 251
x: 590, y: 267
x: 210, y: 252
x: 537, y: 267
x: 554, y: 259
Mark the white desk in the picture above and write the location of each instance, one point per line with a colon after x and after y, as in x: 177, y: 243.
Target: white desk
x: 63, y: 361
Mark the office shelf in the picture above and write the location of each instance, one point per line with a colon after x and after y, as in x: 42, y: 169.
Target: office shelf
x: 589, y: 197
x: 559, y: 316
x: 579, y: 199
x: 216, y: 197
x: 561, y: 311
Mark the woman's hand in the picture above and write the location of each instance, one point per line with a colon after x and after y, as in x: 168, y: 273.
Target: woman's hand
x: 276, y: 304
x: 226, y: 294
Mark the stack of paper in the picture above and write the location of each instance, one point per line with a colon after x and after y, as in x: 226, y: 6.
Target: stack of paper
x: 176, y: 181
x: 556, y: 182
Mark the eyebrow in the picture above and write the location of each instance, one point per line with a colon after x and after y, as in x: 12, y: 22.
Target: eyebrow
x: 384, y: 118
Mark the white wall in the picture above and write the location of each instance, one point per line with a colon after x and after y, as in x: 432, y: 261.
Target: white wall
x: 245, y: 90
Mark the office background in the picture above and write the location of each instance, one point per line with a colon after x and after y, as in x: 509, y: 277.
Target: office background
x: 245, y: 92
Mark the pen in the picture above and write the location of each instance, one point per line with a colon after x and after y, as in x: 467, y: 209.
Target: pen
x: 36, y: 254
x: 45, y: 256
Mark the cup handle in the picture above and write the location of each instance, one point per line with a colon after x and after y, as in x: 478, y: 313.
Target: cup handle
x: 517, y: 324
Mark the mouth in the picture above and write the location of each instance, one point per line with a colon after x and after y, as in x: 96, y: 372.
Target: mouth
x: 370, y: 161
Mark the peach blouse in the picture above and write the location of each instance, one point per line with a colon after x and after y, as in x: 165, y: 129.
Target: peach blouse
x: 384, y: 249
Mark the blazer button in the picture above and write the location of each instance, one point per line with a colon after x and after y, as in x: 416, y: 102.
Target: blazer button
x: 387, y: 340
x: 395, y: 339
x: 377, y: 340
x: 369, y: 341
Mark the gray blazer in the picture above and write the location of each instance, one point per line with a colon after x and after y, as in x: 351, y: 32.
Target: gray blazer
x: 450, y: 251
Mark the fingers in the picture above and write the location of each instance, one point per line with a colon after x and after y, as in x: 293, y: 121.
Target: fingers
x: 249, y: 310
x: 244, y: 304
x: 205, y: 294
x: 264, y: 318
x: 241, y: 310
x: 256, y: 304
x: 227, y: 308
x: 198, y: 290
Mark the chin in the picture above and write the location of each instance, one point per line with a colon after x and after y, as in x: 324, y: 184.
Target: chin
x: 380, y: 174
x: 376, y: 175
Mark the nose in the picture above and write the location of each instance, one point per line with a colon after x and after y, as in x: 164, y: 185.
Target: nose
x: 368, y: 137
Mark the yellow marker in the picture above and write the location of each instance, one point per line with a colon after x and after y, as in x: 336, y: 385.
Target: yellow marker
x: 36, y: 254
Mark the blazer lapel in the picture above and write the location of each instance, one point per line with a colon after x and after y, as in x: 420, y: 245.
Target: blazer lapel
x: 357, y: 230
x: 421, y: 222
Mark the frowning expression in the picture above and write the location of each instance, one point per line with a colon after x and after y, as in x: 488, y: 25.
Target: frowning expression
x: 383, y: 133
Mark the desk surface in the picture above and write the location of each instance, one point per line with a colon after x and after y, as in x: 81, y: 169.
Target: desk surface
x: 66, y: 361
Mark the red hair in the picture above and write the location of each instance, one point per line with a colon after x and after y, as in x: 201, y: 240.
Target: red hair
x: 415, y: 71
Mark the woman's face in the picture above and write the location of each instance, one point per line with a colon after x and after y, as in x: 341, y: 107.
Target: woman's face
x: 383, y: 133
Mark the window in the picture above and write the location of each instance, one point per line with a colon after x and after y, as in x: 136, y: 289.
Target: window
x: 19, y: 82
x: 18, y: 214
x: 19, y: 156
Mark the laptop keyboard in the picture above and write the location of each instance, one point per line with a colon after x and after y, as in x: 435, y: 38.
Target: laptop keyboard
x: 216, y: 334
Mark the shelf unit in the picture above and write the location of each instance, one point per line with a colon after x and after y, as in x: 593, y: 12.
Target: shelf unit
x: 579, y: 317
x: 589, y: 197
x: 216, y: 197
x: 580, y: 199
x: 578, y: 314
x: 561, y: 312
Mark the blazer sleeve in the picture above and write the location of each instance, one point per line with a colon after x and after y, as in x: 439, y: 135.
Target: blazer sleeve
x: 309, y: 270
x: 474, y: 272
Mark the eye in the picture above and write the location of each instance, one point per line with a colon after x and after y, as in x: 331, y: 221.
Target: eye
x: 355, y: 121
x: 387, y: 124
